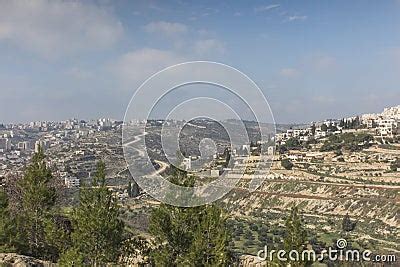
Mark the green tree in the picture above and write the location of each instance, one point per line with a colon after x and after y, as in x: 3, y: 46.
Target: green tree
x: 98, y: 231
x: 72, y: 257
x: 133, y: 189
x: 293, y: 143
x: 287, y: 164
x: 210, y: 239
x: 172, y: 228
x: 6, y: 225
x: 348, y: 141
x: 313, y: 129
x: 38, y: 197
x: 333, y: 128
x: 347, y: 224
x: 227, y: 156
x: 395, y: 165
x: 189, y: 235
x: 129, y: 189
x: 282, y: 149
x: 295, y: 235
x: 179, y: 158
x: 58, y: 230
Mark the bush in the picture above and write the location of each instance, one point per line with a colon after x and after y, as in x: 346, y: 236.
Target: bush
x: 348, y: 141
x: 347, y: 224
x: 248, y: 243
x: 293, y: 143
x: 287, y: 164
x: 395, y: 165
x: 253, y: 227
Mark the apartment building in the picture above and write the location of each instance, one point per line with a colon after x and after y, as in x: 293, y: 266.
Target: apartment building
x: 388, y: 127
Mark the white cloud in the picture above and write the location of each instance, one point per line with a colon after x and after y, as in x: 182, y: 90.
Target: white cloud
x: 266, y: 8
x: 205, y: 44
x: 209, y: 46
x: 53, y: 28
x: 293, y: 18
x: 166, y: 28
x: 289, y: 72
x: 135, y: 67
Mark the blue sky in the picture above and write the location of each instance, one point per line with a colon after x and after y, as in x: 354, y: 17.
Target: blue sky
x: 312, y: 59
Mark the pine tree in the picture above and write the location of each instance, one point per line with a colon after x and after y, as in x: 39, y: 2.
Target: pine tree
x: 133, y: 189
x: 129, y: 189
x: 189, y: 235
x: 295, y: 237
x: 38, y: 197
x: 58, y: 230
x: 72, y: 257
x: 98, y: 231
x: 6, y: 225
x: 227, y: 156
x: 210, y: 239
x: 179, y: 158
x: 313, y: 129
x: 172, y: 228
x: 287, y: 164
x: 347, y: 224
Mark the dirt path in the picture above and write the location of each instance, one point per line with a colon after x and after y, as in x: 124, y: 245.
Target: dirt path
x: 303, y: 196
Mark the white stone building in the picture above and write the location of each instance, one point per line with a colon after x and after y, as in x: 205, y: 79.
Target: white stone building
x: 72, y: 182
x: 388, y: 127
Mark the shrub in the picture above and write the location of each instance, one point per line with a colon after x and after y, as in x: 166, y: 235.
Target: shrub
x: 287, y: 164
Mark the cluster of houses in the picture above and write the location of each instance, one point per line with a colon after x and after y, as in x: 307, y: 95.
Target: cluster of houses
x: 316, y: 131
x: 382, y: 125
x: 71, y: 144
x: 386, y: 124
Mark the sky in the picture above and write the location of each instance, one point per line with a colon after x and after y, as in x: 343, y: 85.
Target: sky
x: 312, y: 59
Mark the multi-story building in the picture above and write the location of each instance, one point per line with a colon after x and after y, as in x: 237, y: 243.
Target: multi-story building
x: 71, y: 182
x: 371, y: 123
x: 388, y: 127
x: 23, y: 145
x: 320, y: 134
x: 5, y: 144
x: 392, y: 112
x: 42, y: 144
x: 300, y: 132
x: 369, y: 120
x: 187, y: 163
x: 331, y: 122
x: 271, y: 150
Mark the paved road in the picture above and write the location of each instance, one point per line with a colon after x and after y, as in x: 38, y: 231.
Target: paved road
x: 141, y: 154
